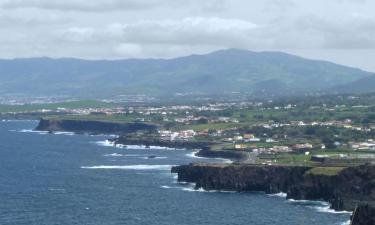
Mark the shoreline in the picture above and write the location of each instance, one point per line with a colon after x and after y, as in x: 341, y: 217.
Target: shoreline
x: 296, y: 182
x: 292, y: 180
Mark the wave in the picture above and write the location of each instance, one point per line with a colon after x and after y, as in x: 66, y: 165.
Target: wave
x: 114, y: 155
x: 131, y: 167
x: 157, y: 157
x: 108, y: 143
x: 193, y: 189
x: 32, y: 131
x: 346, y: 223
x: 166, y: 187
x: 102, y: 135
x: 57, y: 189
x: 319, y: 206
x: 6, y: 121
x: 151, y: 147
x: 64, y: 133
x: 327, y: 209
x: 281, y: 194
x: 105, y: 143
x: 194, y: 155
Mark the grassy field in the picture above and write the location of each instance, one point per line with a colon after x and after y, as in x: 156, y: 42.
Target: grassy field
x: 55, y: 106
x: 325, y: 171
x: 112, y: 118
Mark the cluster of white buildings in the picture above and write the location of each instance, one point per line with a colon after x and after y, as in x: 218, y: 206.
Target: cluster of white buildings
x: 367, y: 145
x: 177, y: 135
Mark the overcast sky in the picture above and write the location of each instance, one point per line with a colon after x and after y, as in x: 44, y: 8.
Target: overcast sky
x: 341, y: 31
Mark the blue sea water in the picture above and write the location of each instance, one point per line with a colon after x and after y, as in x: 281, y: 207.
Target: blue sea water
x: 58, y: 179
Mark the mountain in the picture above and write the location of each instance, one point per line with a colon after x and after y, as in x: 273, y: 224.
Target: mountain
x: 219, y: 72
x: 363, y: 85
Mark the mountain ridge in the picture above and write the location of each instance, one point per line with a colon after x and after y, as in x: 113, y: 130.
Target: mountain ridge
x: 219, y: 72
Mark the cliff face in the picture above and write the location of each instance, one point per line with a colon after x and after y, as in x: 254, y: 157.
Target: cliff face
x: 344, y: 190
x: 364, y: 215
x: 270, y: 179
x: 95, y: 127
x: 226, y: 154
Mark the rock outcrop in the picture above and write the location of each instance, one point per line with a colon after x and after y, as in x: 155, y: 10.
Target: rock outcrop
x: 346, y: 189
x: 226, y: 154
x: 364, y: 215
x: 149, y: 141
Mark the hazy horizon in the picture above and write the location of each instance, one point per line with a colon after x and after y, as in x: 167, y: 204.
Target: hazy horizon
x: 340, y: 31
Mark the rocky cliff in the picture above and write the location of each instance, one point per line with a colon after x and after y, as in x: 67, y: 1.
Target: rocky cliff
x: 149, y: 141
x: 226, y: 154
x: 364, y: 215
x: 92, y: 127
x: 344, y: 189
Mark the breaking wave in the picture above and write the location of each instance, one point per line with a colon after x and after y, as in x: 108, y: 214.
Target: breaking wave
x: 131, y: 167
x: 32, y: 131
x: 281, y: 194
x: 114, y: 155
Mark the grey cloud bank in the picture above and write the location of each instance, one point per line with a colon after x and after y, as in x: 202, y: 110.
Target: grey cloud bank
x: 330, y: 30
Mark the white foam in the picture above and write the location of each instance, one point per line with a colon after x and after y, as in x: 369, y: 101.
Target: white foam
x: 131, y: 167
x: 5, y: 120
x: 323, y: 207
x: 327, y: 209
x: 194, y: 190
x: 57, y: 189
x: 300, y: 201
x: 144, y: 147
x: 105, y: 143
x: 346, y: 223
x: 166, y: 187
x: 64, y: 133
x: 114, y: 155
x: 32, y: 131
x: 194, y: 155
x: 158, y: 157
x: 281, y: 194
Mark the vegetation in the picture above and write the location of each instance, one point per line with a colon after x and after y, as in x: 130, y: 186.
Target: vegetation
x: 325, y: 171
x: 55, y: 106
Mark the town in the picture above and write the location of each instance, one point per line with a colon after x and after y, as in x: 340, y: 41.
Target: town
x: 277, y: 131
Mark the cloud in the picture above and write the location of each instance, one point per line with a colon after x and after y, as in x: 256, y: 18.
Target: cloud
x: 78, y: 5
x: 169, y: 38
x: 109, y: 5
x: 165, y: 38
x: 352, y: 1
x: 353, y: 32
x: 187, y: 31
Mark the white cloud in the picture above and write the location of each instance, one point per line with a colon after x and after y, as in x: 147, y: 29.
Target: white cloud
x: 169, y: 28
x: 187, y: 31
x: 92, y: 5
x: 109, y: 5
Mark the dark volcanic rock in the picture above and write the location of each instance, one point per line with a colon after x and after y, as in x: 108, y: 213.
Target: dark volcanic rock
x: 270, y: 179
x: 147, y: 141
x: 226, y: 154
x: 94, y: 127
x: 364, y: 215
x: 344, y: 190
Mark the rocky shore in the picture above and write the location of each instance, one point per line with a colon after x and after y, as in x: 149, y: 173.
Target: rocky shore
x: 92, y: 127
x: 238, y: 156
x: 343, y: 188
x: 149, y: 141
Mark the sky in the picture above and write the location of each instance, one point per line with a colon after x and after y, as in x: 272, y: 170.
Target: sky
x: 341, y: 31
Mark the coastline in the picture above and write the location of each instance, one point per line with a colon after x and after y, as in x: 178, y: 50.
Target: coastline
x: 294, y: 181
x: 297, y: 182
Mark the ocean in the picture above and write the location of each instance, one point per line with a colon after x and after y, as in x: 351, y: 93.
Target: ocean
x: 67, y: 179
